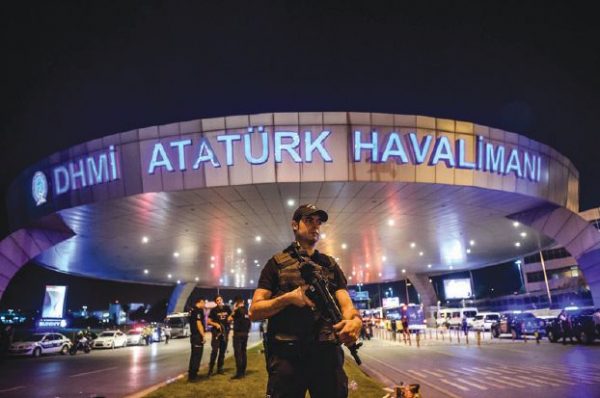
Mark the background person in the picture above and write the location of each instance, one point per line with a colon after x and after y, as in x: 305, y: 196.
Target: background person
x: 218, y: 319
x: 302, y: 345
x: 197, y: 331
x: 241, y: 328
x: 167, y: 334
x: 566, y: 326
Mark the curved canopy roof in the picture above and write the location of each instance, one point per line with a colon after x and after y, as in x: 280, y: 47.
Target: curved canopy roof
x: 209, y: 201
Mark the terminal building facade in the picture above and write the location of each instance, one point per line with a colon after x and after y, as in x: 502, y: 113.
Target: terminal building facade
x: 206, y: 202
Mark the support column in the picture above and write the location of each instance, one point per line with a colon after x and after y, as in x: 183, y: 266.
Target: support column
x: 424, y: 288
x: 179, y: 297
x: 27, y: 243
x: 589, y: 264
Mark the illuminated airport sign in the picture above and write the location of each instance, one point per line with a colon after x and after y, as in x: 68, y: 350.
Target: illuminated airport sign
x: 76, y: 174
x: 374, y: 147
x: 259, y: 145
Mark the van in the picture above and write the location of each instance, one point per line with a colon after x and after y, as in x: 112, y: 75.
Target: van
x: 452, y: 317
x: 179, y: 324
x: 484, y: 320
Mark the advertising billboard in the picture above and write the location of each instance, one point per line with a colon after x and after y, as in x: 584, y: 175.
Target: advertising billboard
x: 54, y: 301
x: 390, y: 302
x: 458, y: 288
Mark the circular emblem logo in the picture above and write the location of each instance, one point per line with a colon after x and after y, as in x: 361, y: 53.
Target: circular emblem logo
x: 39, y: 188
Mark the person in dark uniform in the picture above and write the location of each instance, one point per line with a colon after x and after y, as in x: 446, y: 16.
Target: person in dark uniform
x: 303, y: 350
x: 218, y: 318
x: 241, y: 328
x: 197, y: 329
x: 566, y: 326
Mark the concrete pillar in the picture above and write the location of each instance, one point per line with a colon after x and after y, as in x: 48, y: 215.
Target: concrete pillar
x: 424, y: 288
x: 589, y: 263
x: 27, y: 243
x: 179, y: 297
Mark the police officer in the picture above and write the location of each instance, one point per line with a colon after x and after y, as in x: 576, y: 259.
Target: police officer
x: 303, y: 350
x: 218, y: 318
x: 241, y: 328
x: 197, y: 328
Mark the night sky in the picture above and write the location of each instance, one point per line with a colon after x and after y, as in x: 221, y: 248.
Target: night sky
x: 76, y: 71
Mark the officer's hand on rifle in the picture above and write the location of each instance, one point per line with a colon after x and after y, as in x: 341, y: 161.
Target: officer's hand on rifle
x: 298, y: 297
x: 348, y: 330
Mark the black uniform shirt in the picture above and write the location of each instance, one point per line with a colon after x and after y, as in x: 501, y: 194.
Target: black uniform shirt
x: 293, y: 320
x: 196, y: 314
x: 241, y: 321
x: 220, y: 315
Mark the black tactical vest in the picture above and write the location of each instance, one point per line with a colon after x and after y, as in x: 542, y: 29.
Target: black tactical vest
x: 290, y: 279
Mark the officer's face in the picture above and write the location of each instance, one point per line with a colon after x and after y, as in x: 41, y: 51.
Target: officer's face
x: 309, y: 228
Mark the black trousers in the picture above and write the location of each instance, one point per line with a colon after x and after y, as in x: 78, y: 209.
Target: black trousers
x: 317, y: 368
x: 196, y: 355
x: 218, y: 347
x: 240, y: 342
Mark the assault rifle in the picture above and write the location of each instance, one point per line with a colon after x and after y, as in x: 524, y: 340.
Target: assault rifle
x: 317, y: 291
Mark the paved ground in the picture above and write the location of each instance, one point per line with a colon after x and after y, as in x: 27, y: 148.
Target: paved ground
x: 498, y: 367
x: 106, y: 373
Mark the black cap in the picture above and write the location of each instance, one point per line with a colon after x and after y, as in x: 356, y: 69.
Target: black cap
x: 309, y: 210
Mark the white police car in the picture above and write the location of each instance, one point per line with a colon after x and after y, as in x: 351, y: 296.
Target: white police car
x: 110, y: 339
x: 37, y: 344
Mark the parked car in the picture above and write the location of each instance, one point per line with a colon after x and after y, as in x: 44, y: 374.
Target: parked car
x: 585, y: 326
x: 484, y: 320
x: 37, y: 344
x: 110, y: 339
x: 134, y: 337
x: 518, y: 324
x: 584, y: 322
